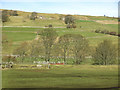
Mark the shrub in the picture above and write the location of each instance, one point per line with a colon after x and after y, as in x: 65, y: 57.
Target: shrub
x: 50, y: 25
x: 69, y: 19
x: 46, y: 26
x: 105, y: 32
x: 102, y: 32
x: 73, y: 26
x: 33, y: 16
x: 118, y: 35
x: 112, y: 33
x: 119, y: 20
x: 9, y: 59
x: 97, y: 31
x: 69, y: 26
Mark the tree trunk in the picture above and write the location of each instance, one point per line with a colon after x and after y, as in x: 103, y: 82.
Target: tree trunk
x: 64, y: 55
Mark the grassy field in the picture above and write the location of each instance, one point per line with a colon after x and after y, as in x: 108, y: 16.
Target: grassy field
x: 87, y: 22
x: 88, y: 25
x: 67, y: 76
x: 20, y: 21
x: 60, y: 31
x: 20, y: 34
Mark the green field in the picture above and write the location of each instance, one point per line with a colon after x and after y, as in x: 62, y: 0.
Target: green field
x: 86, y: 26
x: 67, y: 76
x: 16, y: 21
x: 20, y: 34
x: 85, y: 75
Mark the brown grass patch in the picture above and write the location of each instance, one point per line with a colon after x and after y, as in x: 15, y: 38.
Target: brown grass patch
x: 107, y: 21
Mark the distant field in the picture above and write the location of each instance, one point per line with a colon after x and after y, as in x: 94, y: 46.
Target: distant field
x: 84, y: 21
x: 81, y: 24
x: 67, y: 76
x: 92, y: 26
x: 89, y: 23
x: 60, y: 31
x: 22, y: 21
x: 100, y: 18
x: 19, y: 34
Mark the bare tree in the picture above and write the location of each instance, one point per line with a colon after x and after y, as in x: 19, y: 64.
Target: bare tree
x: 105, y: 53
x: 6, y: 44
x: 48, y: 37
x: 64, y: 42
x: 36, y: 49
x: 80, y: 48
x: 22, y: 50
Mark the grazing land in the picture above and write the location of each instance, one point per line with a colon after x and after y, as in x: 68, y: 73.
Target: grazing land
x: 20, y: 29
x: 64, y: 76
x: 20, y: 34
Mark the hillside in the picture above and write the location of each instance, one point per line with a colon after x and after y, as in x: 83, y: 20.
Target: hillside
x: 44, y: 19
x: 86, y: 26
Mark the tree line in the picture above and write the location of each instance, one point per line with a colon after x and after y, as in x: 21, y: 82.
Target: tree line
x: 7, y: 13
x: 76, y: 46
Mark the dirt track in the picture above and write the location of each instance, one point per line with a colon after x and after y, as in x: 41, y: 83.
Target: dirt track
x: 32, y: 26
x: 107, y: 21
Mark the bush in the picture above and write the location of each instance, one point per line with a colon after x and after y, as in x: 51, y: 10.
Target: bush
x: 112, y: 33
x: 46, y: 26
x: 50, y: 25
x: 119, y: 20
x: 9, y: 59
x: 105, y: 32
x: 69, y: 19
x: 102, y: 32
x: 69, y: 26
x: 32, y: 18
x: 97, y: 31
x: 73, y: 26
x: 15, y: 13
x: 118, y: 35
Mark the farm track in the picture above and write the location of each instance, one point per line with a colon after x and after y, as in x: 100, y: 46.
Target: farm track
x: 33, y: 31
x: 106, y: 21
x: 32, y: 26
x: 18, y: 31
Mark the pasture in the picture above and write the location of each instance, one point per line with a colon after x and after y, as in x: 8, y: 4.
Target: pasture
x: 64, y: 76
x: 84, y: 75
x: 20, y: 34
